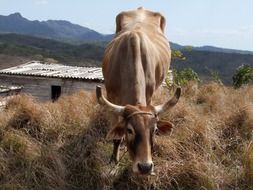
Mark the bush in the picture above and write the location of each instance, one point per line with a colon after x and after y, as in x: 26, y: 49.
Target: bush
x: 243, y: 75
x: 182, y: 77
x: 177, y: 54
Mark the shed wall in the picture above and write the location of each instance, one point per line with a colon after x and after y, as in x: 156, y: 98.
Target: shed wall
x: 40, y: 87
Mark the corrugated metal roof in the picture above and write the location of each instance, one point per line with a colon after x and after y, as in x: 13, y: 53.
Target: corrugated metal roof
x: 36, y: 68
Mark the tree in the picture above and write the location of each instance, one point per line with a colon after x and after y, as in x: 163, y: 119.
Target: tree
x: 243, y: 75
x: 182, y: 77
x: 177, y: 54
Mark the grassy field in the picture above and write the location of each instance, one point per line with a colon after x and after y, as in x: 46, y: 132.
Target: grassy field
x: 62, y: 145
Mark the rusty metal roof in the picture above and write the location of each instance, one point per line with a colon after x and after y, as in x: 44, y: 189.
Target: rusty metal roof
x: 36, y: 68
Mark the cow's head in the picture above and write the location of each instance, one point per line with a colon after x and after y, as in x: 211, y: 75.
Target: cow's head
x: 150, y: 20
x: 139, y: 125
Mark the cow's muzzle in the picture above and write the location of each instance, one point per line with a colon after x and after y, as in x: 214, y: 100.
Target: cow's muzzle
x: 144, y: 168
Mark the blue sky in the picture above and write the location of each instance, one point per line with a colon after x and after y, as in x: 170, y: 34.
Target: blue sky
x: 222, y: 23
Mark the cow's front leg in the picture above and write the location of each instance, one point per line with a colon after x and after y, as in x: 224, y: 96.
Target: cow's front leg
x: 115, y: 153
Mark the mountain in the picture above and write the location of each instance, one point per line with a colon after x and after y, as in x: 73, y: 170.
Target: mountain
x: 25, y: 39
x: 208, y: 49
x: 87, y: 54
x: 90, y: 54
x: 208, y: 63
x: 65, y: 31
x: 52, y: 29
x: 222, y: 50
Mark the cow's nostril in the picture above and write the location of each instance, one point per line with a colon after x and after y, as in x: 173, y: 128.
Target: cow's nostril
x: 145, y: 168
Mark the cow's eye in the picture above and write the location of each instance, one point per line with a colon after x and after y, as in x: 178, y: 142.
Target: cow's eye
x: 129, y: 131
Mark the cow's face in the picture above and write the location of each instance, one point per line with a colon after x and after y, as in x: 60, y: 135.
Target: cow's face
x: 152, y: 21
x: 138, y: 127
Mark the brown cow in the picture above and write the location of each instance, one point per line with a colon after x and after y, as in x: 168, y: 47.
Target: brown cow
x: 134, y: 65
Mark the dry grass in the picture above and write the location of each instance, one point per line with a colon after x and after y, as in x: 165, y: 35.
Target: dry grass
x: 61, y: 145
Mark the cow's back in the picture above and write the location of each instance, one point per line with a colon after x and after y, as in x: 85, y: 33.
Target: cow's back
x: 134, y: 65
x: 137, y: 59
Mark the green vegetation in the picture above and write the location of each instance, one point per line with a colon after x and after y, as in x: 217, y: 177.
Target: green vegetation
x: 90, y: 54
x: 188, y: 48
x: 83, y: 55
x: 177, y: 54
x: 62, y: 145
x: 225, y: 64
x: 183, y: 77
x: 243, y: 75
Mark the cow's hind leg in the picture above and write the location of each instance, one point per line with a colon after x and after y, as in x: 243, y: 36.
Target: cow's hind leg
x: 115, y: 153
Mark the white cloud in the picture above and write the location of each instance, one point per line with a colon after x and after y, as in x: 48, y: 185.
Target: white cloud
x: 41, y: 2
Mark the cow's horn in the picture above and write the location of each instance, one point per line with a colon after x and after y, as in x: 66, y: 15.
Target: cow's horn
x: 172, y: 102
x: 103, y: 101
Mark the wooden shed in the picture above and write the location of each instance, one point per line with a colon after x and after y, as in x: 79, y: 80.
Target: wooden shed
x: 49, y: 81
x: 7, y: 92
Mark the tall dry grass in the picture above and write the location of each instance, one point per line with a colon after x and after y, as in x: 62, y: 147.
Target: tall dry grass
x: 61, y: 145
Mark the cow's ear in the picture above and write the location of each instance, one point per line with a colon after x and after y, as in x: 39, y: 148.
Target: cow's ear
x: 162, y: 23
x: 164, y: 127
x: 116, y: 133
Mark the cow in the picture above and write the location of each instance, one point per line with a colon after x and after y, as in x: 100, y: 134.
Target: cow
x: 134, y: 65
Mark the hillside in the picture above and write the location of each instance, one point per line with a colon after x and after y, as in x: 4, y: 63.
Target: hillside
x: 204, y: 63
x: 90, y: 54
x: 62, y: 145
x: 66, y: 31
x: 36, y: 48
x: 7, y: 61
x: 209, y: 49
x: 52, y: 29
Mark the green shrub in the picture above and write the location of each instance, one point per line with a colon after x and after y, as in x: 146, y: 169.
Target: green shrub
x: 177, y: 54
x: 243, y: 75
x: 182, y: 77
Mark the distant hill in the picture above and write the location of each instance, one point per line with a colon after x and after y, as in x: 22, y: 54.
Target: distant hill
x: 208, y: 49
x: 7, y: 61
x: 90, y: 54
x: 66, y: 31
x: 205, y: 63
x: 52, y: 29
x: 87, y: 54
